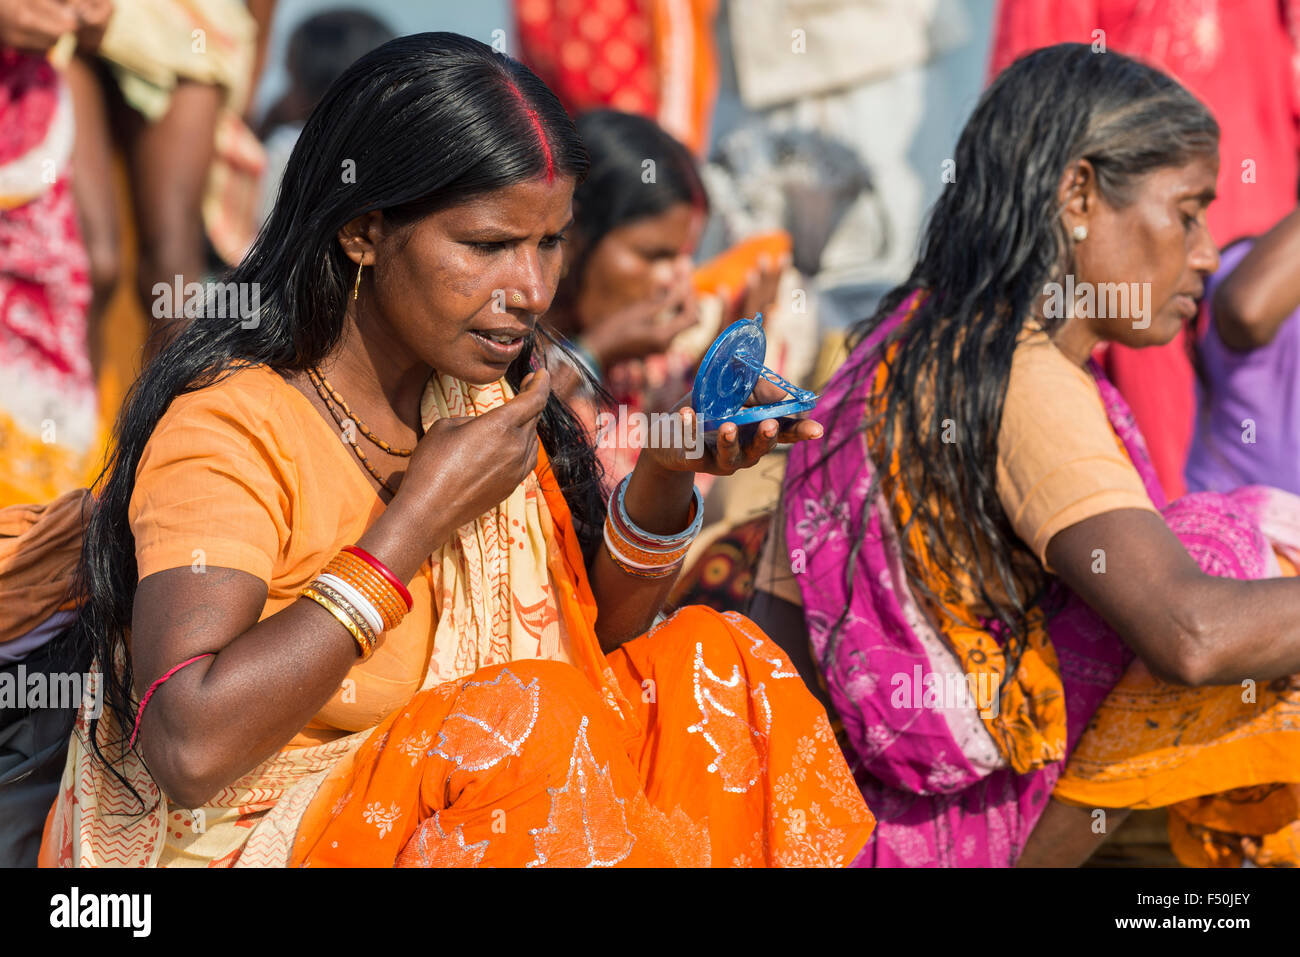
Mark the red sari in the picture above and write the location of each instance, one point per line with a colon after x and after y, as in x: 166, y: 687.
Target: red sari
x: 1228, y: 58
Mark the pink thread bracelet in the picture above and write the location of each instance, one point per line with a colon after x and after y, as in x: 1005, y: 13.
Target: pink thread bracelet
x: 154, y: 687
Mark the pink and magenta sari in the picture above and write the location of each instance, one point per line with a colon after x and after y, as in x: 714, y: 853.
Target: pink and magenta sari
x: 941, y: 786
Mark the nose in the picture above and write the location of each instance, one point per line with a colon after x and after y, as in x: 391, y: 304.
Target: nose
x: 662, y: 271
x: 1205, y: 254
x: 532, y: 283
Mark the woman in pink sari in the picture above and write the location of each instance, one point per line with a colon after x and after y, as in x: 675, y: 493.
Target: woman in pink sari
x: 1022, y: 640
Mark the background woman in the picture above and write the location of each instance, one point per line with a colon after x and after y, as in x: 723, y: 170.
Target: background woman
x: 47, y: 404
x: 977, y: 461
x: 284, y: 695
x: 630, y: 289
x: 1248, y: 414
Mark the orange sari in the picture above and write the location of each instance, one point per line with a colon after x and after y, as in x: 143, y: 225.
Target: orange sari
x: 696, y: 744
x: 489, y: 728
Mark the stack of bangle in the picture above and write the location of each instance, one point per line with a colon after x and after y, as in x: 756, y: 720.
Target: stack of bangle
x: 641, y: 553
x: 366, y: 598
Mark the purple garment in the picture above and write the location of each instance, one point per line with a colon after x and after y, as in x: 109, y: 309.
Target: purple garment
x: 16, y: 649
x: 942, y: 792
x: 1252, y: 395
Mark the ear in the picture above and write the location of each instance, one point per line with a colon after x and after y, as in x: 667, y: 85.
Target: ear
x: 360, y: 237
x: 1077, y: 192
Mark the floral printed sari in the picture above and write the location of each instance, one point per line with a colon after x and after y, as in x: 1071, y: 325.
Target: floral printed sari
x: 696, y: 744
x: 961, y: 779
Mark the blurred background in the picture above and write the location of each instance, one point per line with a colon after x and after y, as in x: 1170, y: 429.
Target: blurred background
x: 802, y: 142
x: 795, y: 147
x: 816, y: 130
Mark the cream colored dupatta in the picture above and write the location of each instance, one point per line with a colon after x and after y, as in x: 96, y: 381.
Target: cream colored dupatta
x: 497, y: 601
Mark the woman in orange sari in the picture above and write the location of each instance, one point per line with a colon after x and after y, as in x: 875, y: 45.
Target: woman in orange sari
x: 357, y: 590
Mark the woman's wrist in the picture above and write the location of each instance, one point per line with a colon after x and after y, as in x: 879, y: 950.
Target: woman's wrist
x: 406, y: 534
x: 659, y: 499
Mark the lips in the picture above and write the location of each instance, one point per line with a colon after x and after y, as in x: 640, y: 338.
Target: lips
x: 501, y: 345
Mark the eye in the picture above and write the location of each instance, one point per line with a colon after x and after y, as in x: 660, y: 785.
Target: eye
x: 488, y: 248
x: 552, y: 242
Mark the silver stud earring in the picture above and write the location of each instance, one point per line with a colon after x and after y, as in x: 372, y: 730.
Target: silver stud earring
x: 1080, y: 233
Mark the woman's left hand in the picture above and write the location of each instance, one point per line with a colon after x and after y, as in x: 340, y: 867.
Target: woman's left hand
x: 735, y: 447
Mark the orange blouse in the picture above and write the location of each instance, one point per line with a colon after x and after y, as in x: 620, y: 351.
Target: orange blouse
x: 246, y: 474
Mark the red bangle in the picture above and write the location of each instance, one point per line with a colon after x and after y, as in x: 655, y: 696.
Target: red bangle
x: 379, y: 566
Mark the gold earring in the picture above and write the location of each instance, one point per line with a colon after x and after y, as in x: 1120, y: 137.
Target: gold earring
x: 356, y: 286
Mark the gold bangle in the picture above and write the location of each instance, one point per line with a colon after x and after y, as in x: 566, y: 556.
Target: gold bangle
x: 358, y: 619
x: 365, y: 648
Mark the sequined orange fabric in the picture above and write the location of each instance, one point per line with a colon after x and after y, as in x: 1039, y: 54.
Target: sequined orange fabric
x: 696, y: 744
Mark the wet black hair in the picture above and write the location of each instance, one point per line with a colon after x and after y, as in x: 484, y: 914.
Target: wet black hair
x: 993, y: 240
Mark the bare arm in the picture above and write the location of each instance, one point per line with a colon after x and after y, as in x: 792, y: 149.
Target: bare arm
x: 658, y: 500
x: 1188, y: 627
x: 263, y: 12
x: 220, y: 717
x: 1254, y: 300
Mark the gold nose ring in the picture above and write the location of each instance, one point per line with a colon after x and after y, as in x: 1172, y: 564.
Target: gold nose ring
x: 517, y: 298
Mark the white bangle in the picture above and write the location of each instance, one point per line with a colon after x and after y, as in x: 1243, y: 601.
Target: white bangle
x: 359, y: 601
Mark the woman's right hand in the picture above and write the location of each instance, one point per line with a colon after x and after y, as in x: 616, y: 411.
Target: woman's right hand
x: 465, y: 466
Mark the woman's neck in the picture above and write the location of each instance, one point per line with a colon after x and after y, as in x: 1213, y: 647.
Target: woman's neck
x: 1075, y: 340
x: 374, y: 371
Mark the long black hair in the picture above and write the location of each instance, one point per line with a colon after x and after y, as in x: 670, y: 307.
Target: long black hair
x: 416, y: 125
x: 994, y: 239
